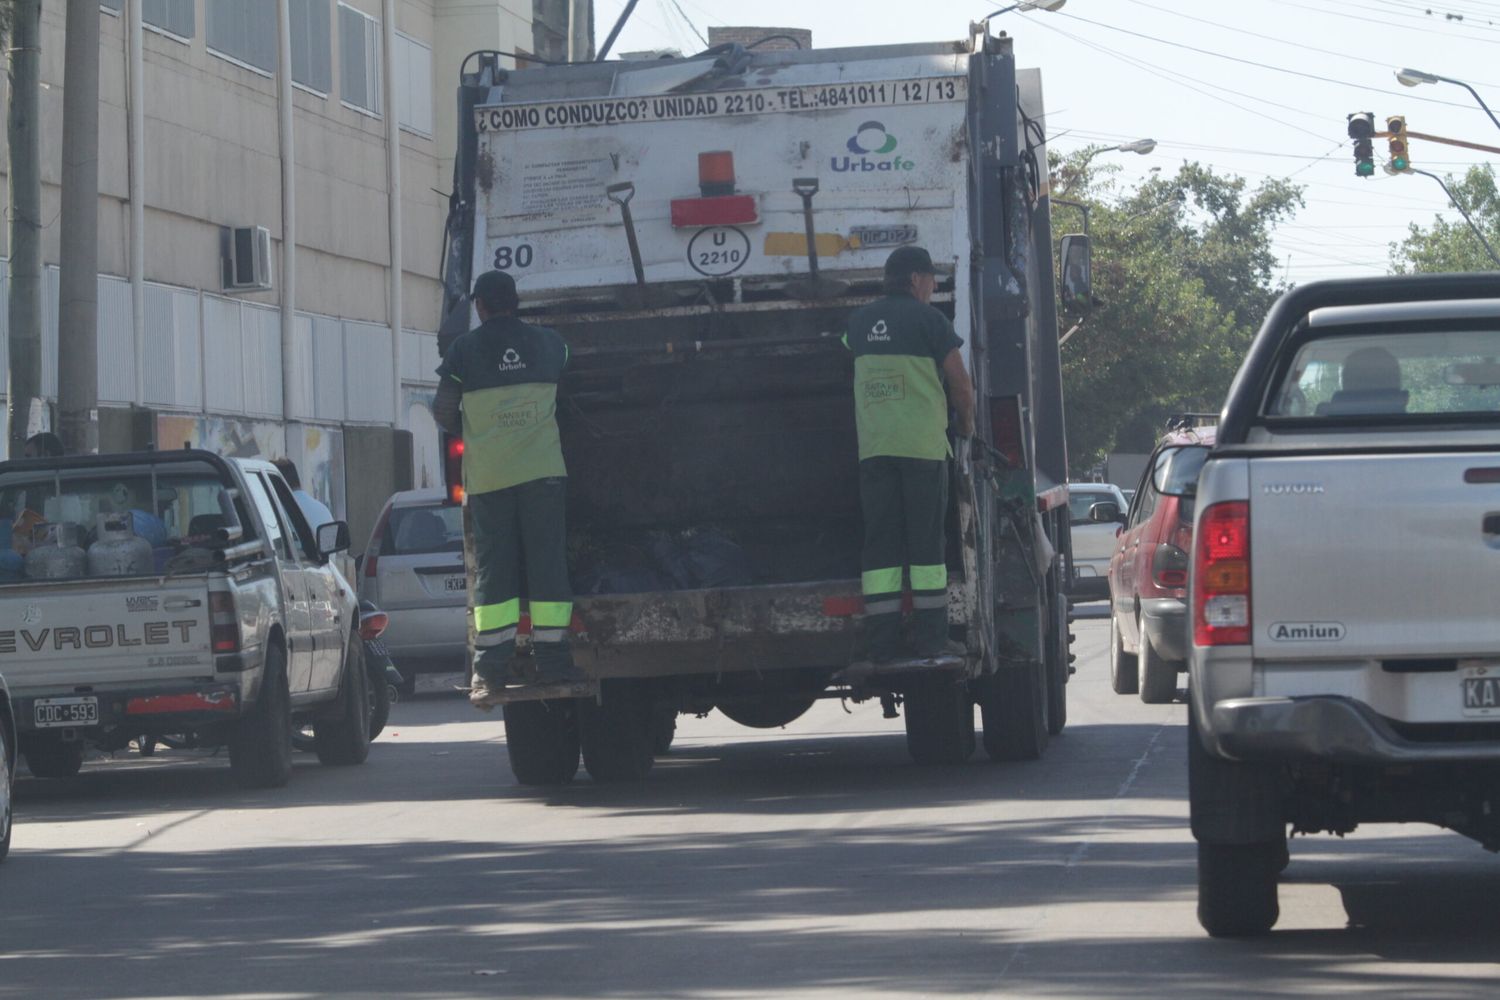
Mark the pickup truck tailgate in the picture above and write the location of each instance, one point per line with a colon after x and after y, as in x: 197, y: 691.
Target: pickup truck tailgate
x: 96, y: 633
x: 1374, y: 555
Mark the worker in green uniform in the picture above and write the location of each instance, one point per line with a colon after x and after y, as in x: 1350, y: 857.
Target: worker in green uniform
x: 904, y: 351
x: 502, y: 377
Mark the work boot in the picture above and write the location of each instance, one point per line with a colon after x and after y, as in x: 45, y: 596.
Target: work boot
x: 484, y: 693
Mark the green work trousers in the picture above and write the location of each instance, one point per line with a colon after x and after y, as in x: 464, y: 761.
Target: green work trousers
x: 905, y: 504
x: 524, y: 526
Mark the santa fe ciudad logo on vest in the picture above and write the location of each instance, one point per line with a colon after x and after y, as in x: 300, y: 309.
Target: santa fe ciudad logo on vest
x: 511, y: 360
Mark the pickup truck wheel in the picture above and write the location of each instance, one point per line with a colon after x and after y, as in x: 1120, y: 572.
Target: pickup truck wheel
x: 1237, y: 888
x: 260, y: 751
x: 7, y: 779
x: 939, y: 720
x: 1157, y: 677
x: 50, y: 757
x: 378, y: 693
x: 541, y: 739
x: 615, y: 732
x: 1013, y: 705
x: 346, y: 740
x: 1122, y: 665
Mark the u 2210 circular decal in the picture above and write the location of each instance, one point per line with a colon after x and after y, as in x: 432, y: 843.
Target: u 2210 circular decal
x: 718, y: 251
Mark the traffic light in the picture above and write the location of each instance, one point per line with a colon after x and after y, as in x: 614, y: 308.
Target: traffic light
x: 1400, y: 153
x: 1362, y: 130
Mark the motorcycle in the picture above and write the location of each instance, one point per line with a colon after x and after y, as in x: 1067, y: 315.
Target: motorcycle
x: 385, y: 679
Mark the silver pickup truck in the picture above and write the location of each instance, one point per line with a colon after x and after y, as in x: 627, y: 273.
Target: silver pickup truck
x: 1345, y: 588
x: 174, y: 594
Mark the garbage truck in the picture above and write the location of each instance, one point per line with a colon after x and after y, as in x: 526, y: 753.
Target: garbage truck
x: 698, y: 230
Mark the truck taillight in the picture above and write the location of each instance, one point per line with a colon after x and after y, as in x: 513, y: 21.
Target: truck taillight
x: 716, y: 173
x: 1005, y: 429
x: 453, y: 468
x: 223, y: 622
x: 1169, y: 566
x: 1221, y: 582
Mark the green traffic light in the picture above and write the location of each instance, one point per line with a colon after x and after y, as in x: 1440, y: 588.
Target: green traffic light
x: 1399, y: 163
x: 1365, y: 169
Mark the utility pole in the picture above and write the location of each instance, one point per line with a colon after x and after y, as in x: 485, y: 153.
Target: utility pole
x: 78, y: 313
x: 23, y: 125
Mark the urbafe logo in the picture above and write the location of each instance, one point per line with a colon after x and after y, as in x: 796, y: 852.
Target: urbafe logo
x: 511, y: 360
x: 871, y: 140
x: 880, y: 331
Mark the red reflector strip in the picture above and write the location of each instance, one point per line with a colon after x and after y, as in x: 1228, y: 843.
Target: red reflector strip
x: 1055, y: 497
x: 728, y: 210
x: 213, y: 701
x: 523, y: 627
x: 1482, y: 475
x: 848, y: 607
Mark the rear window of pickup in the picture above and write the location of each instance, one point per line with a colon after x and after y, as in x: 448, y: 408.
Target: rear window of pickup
x: 1391, y: 376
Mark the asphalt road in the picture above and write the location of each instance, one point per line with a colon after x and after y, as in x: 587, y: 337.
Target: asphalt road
x: 815, y: 861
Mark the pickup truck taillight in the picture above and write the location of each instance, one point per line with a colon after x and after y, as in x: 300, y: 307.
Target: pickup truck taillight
x: 223, y: 622
x: 1221, y: 584
x: 1169, y: 566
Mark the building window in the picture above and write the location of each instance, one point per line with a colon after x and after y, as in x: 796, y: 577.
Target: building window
x: 243, y: 30
x: 312, y: 44
x: 175, y: 17
x: 413, y: 85
x: 359, y: 59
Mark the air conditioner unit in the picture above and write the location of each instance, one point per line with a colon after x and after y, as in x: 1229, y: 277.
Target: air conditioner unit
x: 246, y: 255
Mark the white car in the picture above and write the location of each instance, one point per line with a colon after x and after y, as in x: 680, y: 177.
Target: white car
x: 1093, y: 544
x: 413, y: 569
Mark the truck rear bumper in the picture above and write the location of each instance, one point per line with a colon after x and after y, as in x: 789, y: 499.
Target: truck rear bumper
x: 167, y: 709
x: 1326, y: 728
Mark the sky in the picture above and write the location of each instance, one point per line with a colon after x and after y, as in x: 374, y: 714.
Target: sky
x: 1256, y: 88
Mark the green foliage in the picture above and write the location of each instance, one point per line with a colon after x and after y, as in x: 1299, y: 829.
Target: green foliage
x: 1449, y: 244
x: 1184, y: 272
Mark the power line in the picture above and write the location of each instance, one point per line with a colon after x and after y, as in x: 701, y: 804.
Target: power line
x: 1389, y: 24
x: 689, y: 22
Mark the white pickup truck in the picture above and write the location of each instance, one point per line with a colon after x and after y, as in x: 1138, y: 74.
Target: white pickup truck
x: 174, y: 594
x: 1345, y: 589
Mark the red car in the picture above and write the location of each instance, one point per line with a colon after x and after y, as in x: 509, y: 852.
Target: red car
x: 1148, y: 573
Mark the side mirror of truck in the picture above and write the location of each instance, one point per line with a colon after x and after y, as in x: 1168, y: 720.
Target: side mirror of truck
x: 1077, y: 266
x: 1106, y: 512
x: 332, y: 537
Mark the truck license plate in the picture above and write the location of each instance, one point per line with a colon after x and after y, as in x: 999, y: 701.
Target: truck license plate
x: 1482, y: 695
x: 48, y: 713
x: 456, y: 583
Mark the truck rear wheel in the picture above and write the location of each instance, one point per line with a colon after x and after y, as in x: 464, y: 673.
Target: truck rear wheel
x: 50, y: 757
x: 1158, y: 676
x: 345, y: 740
x: 260, y: 751
x: 7, y: 790
x: 541, y: 739
x: 1237, y: 888
x: 1013, y: 704
x: 616, y: 732
x: 663, y: 728
x: 1058, y: 640
x: 939, y: 720
x: 1123, y: 676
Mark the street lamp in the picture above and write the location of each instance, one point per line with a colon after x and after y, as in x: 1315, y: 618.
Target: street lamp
x: 1044, y: 5
x: 1415, y: 77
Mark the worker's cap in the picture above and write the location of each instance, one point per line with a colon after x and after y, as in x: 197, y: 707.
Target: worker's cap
x: 497, y: 290
x: 906, y: 261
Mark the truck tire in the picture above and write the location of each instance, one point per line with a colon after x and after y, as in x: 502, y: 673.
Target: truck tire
x: 1230, y: 801
x: 1237, y: 888
x: 51, y: 757
x: 769, y: 712
x: 939, y: 720
x: 541, y: 739
x: 379, y: 695
x: 260, y: 751
x: 1157, y: 677
x: 1123, y: 676
x: 1057, y: 667
x: 345, y: 740
x: 663, y: 728
x: 615, y: 732
x: 1013, y: 704
x: 7, y: 791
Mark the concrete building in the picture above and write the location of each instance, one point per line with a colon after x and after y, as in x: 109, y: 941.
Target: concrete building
x: 368, y: 77
x: 761, y: 38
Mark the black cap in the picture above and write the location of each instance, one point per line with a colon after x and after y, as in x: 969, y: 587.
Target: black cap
x: 906, y: 261
x: 497, y: 290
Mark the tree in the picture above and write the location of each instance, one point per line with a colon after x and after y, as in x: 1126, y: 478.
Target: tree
x: 1449, y: 245
x: 1184, y: 272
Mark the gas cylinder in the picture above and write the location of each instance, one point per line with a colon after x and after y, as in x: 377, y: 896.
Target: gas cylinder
x: 55, y: 553
x: 119, y: 550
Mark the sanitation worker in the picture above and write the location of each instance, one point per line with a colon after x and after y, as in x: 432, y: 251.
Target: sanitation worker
x: 502, y: 377
x: 904, y: 352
